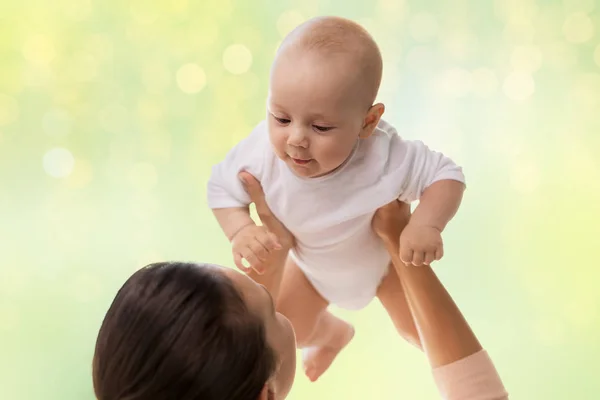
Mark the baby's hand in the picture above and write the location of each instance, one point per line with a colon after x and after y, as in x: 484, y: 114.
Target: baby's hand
x: 420, y: 244
x: 253, y: 243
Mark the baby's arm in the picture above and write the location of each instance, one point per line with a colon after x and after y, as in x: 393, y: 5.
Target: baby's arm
x: 225, y: 193
x: 229, y: 201
x: 438, y: 183
x: 439, y: 203
x: 232, y: 220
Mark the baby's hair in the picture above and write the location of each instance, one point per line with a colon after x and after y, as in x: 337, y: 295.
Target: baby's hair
x: 336, y: 35
x: 181, y: 331
x: 333, y: 33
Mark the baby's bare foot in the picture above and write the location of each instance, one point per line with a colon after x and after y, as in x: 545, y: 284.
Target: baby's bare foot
x: 317, y: 359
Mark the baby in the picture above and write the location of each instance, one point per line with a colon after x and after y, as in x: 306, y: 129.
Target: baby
x: 327, y: 162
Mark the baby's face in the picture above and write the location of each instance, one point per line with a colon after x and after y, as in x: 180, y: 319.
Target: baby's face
x: 314, y: 118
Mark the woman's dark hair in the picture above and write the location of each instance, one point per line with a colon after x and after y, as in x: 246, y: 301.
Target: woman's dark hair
x: 181, y: 331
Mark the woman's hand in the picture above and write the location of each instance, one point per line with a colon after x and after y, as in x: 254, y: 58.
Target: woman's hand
x: 254, y: 189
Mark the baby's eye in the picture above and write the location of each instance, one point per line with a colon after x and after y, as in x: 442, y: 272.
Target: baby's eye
x: 283, y: 121
x: 322, y: 128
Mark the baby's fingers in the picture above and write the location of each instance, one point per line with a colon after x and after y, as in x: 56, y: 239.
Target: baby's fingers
x: 439, y: 253
x: 418, y: 258
x: 406, y: 255
x: 429, y: 257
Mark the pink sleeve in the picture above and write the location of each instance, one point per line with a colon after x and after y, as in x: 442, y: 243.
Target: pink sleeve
x: 472, y: 378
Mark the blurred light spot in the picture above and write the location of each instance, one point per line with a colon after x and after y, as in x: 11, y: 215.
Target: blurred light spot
x: 549, y: 22
x: 423, y: 27
x: 498, y: 140
x: 251, y: 36
x: 518, y: 86
x: 37, y: 75
x: 190, y: 78
x: 455, y: 82
x: 56, y: 123
x: 584, y: 95
x: 580, y: 160
x: 158, y: 146
x: 250, y: 86
x: 393, y: 11
x: 512, y: 11
x: 525, y: 177
x: 83, y: 68
x: 113, y: 118
x: 597, y: 55
x: 86, y: 288
x: 578, y: 28
x: 156, y: 77
x: 179, y: 6
x: 151, y: 109
x: 237, y: 59
x: 202, y: 35
x: 144, y: 208
x: 144, y: 12
x: 391, y: 77
x: 143, y: 176
x: 9, y: 110
x: 58, y: 162
x: 77, y: 10
x: 485, y: 82
x: 458, y: 45
x: 519, y: 32
x: 39, y: 49
x: 289, y: 20
x: 223, y: 9
x: 82, y: 174
x: 583, y: 6
x: 100, y: 47
x: 526, y: 59
x: 420, y: 59
x: 560, y: 55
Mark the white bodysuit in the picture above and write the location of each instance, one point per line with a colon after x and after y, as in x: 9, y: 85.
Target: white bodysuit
x: 330, y: 216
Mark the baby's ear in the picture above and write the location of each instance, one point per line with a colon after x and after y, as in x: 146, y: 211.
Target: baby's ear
x: 371, y: 120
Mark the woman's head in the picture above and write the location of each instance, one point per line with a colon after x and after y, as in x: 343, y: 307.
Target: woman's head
x: 188, y: 332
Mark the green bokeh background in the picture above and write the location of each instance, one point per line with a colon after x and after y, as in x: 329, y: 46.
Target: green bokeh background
x: 112, y: 113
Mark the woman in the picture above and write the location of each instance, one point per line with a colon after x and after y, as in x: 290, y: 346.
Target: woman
x: 189, y: 332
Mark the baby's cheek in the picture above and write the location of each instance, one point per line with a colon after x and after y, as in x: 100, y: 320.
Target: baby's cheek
x: 278, y: 142
x: 336, y: 153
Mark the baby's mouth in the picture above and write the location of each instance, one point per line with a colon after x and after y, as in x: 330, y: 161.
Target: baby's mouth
x: 301, y: 161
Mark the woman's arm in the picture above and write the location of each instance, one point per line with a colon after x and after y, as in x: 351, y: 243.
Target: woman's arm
x: 463, y: 371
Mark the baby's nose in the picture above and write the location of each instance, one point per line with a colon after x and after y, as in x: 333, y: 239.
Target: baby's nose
x: 298, y: 138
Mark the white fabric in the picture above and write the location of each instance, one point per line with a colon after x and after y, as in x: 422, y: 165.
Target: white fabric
x: 330, y: 216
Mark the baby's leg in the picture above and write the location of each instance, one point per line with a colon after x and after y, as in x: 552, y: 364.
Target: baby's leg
x: 392, y: 297
x: 319, y: 333
x: 391, y: 293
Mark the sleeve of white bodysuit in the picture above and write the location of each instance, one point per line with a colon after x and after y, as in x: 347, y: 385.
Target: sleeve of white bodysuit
x: 224, y: 189
x: 418, y: 167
